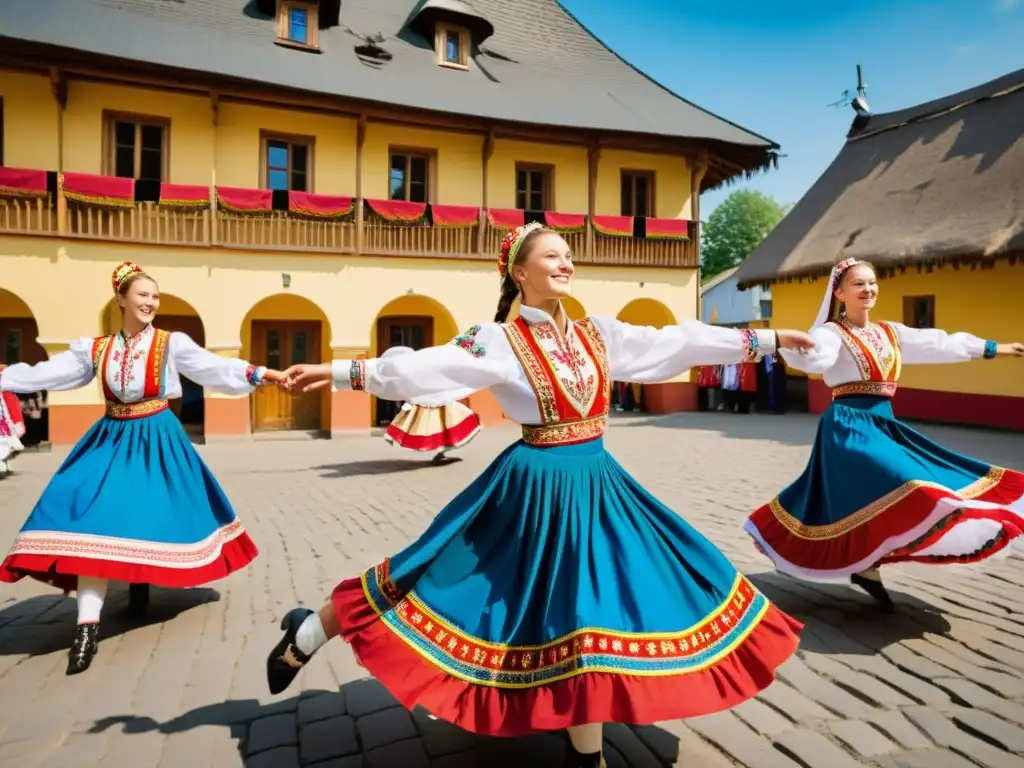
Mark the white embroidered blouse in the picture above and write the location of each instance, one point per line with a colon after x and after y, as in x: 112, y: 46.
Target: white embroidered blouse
x: 126, y: 368
x: 839, y: 364
x: 483, y: 358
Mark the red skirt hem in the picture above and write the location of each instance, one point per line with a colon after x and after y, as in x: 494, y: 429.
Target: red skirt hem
x: 896, y: 521
x: 589, y: 697
x: 63, y: 572
x: 451, y: 437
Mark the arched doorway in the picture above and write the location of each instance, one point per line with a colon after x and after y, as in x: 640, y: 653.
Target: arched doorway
x: 642, y: 311
x: 176, y: 316
x: 281, y: 331
x: 409, y: 321
x: 18, y: 334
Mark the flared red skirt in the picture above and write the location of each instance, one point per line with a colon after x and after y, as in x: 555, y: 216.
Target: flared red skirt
x: 555, y: 591
x: 876, y: 491
x: 444, y: 428
x: 134, y: 502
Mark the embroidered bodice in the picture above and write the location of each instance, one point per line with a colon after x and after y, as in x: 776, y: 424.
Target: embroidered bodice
x: 540, y: 376
x: 132, y: 369
x: 876, y: 353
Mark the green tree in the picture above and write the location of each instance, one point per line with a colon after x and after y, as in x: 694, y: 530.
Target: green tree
x: 735, y: 229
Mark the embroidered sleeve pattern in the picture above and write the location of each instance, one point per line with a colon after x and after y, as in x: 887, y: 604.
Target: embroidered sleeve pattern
x: 357, y: 375
x: 990, y: 350
x: 468, y: 342
x: 751, y: 345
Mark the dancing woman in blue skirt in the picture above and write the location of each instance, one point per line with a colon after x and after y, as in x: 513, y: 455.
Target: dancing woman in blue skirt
x: 876, y: 491
x: 554, y: 592
x: 133, y: 501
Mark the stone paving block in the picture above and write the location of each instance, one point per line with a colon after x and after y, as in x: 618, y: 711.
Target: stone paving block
x: 326, y: 739
x: 786, y: 699
x: 762, y: 718
x: 861, y: 738
x: 814, y: 750
x: 270, y: 732
x: 973, y: 695
x: 385, y: 727
x: 364, y: 697
x: 677, y: 744
x: 800, y: 676
x: 946, y: 734
x: 734, y: 738
x: 927, y: 758
x: 406, y: 754
x: 282, y: 757
x: 899, y: 729
x: 320, y: 707
x: 865, y: 686
x: 991, y: 729
x: 441, y: 737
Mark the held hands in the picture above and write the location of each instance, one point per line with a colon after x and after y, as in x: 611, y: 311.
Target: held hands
x: 797, y: 340
x: 300, y: 379
x: 270, y: 376
x: 1015, y: 349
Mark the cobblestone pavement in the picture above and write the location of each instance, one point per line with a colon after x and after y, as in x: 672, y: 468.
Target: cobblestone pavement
x: 940, y: 684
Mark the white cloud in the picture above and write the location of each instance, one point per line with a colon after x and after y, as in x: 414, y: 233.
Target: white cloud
x: 1002, y: 6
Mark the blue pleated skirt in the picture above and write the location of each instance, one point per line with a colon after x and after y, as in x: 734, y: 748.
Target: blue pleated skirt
x: 133, y: 501
x: 555, y: 590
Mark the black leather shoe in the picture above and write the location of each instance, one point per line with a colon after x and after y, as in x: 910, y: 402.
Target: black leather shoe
x: 574, y: 759
x: 876, y: 589
x: 83, y: 648
x: 285, y: 661
x: 138, y: 598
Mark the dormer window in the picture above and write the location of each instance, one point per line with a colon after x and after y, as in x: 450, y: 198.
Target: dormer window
x: 452, y: 46
x: 298, y: 25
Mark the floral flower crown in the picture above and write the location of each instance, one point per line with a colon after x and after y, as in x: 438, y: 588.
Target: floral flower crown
x: 122, y: 272
x: 840, y: 269
x: 510, y: 245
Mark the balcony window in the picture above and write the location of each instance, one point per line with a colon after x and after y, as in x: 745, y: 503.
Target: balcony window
x: 410, y: 177
x: 287, y: 163
x: 919, y: 311
x: 533, y: 187
x: 637, y: 189
x: 298, y: 25
x: 136, y: 147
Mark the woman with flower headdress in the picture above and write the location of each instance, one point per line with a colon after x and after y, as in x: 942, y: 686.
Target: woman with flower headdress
x: 554, y: 592
x: 876, y: 491
x: 133, y: 501
x: 437, y: 429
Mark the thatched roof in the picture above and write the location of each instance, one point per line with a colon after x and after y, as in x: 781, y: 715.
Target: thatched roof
x: 943, y: 181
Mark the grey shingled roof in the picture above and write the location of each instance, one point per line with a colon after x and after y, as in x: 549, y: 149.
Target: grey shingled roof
x: 541, y: 66
x: 940, y: 181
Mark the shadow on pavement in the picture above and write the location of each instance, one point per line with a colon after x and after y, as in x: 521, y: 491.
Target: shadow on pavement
x: 753, y: 426
x: 381, y: 466
x: 46, y: 623
x: 363, y: 726
x: 840, y: 619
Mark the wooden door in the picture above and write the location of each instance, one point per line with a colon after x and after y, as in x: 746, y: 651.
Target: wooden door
x: 280, y: 344
x: 416, y: 332
x: 18, y: 337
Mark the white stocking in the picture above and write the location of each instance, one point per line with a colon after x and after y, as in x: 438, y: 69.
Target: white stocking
x: 586, y: 739
x: 91, y: 593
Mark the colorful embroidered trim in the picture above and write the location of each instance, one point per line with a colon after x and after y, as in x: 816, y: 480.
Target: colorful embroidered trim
x: 127, y: 550
x: 153, y: 385
x: 254, y: 374
x: 140, y: 410
x: 990, y: 349
x: 751, y: 345
x: 357, y: 375
x: 875, y: 508
x: 585, y: 650
x: 872, y: 388
x: 541, y: 384
x: 468, y: 342
x: 566, y: 432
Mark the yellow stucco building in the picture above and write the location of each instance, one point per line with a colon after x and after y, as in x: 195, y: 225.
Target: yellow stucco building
x: 307, y: 180
x: 933, y: 196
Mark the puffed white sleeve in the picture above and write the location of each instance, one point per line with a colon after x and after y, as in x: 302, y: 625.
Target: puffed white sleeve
x: 68, y: 370
x: 920, y: 346
x: 647, y: 355
x: 817, y: 360
x: 222, y: 374
x: 475, y: 360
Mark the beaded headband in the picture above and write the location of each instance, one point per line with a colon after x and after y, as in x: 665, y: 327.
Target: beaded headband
x: 124, y: 270
x: 840, y: 269
x: 510, y: 245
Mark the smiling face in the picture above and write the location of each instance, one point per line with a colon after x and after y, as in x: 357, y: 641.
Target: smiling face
x: 858, y: 289
x: 545, y: 270
x: 140, y: 300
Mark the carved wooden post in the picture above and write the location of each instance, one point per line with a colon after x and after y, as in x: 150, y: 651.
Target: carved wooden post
x: 488, y: 150
x: 360, y: 140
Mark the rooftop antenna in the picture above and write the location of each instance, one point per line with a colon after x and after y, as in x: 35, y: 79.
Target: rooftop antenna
x: 858, y: 102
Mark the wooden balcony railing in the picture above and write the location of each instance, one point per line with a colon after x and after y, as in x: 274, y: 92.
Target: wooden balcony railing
x: 281, y: 231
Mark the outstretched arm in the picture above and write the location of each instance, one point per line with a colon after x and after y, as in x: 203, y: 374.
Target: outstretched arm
x: 68, y: 370
x: 431, y: 377
x: 921, y: 346
x: 821, y: 358
x: 231, y: 376
x: 646, y: 355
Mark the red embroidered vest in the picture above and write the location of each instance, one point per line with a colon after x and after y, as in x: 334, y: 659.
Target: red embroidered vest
x: 156, y: 360
x: 879, y: 366
x: 568, y: 376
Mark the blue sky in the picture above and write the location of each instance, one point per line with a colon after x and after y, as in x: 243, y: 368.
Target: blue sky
x: 773, y: 67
